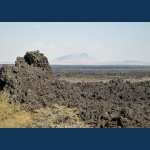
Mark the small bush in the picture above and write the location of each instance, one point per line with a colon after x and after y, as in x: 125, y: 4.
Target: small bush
x: 56, y: 117
x: 12, y: 116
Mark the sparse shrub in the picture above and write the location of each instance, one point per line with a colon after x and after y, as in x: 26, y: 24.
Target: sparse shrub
x: 12, y: 116
x: 56, y: 117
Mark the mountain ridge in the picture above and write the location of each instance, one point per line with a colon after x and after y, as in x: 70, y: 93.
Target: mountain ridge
x: 81, y: 58
x: 85, y: 59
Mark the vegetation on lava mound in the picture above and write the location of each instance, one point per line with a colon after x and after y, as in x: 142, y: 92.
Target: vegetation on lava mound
x: 12, y: 115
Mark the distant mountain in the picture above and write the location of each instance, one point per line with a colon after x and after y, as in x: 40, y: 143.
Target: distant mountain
x: 75, y: 59
x: 85, y: 59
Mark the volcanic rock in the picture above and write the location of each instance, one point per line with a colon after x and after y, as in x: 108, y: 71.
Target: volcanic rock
x: 28, y: 80
x: 111, y: 104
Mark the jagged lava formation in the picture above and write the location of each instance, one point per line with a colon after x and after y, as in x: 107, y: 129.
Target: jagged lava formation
x: 28, y: 80
x: 112, y: 104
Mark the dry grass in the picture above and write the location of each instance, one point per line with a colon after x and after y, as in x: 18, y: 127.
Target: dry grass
x: 89, y: 79
x: 12, y: 116
x: 103, y: 79
x: 56, y: 117
x: 138, y: 80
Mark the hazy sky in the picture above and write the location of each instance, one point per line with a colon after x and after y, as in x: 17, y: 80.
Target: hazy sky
x: 111, y: 41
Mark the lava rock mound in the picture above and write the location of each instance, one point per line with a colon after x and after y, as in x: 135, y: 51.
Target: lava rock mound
x: 37, y: 59
x: 28, y: 80
x: 106, y: 105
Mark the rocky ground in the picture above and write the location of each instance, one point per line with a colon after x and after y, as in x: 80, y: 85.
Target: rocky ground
x: 117, y: 103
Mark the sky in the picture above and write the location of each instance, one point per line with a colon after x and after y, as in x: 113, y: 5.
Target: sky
x: 106, y: 41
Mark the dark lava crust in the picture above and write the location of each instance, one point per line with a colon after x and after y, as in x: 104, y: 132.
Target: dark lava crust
x: 114, y: 104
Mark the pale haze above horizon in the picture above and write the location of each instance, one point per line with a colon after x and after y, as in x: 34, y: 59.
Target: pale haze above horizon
x: 106, y: 41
